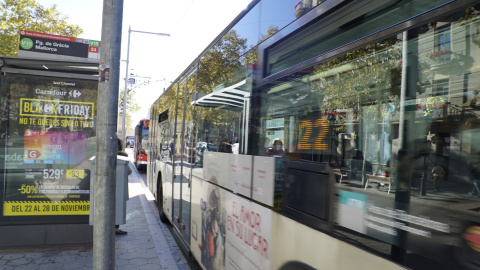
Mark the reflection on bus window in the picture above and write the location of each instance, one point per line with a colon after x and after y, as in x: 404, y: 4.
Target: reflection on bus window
x: 277, y: 148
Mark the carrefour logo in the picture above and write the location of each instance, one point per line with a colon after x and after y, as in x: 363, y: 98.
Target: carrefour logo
x: 26, y: 43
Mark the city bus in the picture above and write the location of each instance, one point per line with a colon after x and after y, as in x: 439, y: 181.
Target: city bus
x: 140, y: 148
x: 329, y: 135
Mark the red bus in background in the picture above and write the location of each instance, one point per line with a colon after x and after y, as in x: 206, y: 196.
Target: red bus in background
x: 141, y: 141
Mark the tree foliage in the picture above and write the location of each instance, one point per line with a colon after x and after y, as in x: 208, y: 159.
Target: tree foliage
x: 28, y: 15
x: 360, y: 78
x: 222, y: 61
x: 222, y: 64
x: 132, y: 107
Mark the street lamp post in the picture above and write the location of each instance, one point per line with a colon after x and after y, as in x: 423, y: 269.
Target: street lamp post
x: 124, y: 116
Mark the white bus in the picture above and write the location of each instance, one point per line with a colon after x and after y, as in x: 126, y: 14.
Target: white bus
x: 326, y: 135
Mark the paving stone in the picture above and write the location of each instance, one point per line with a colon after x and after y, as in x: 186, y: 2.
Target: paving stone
x: 50, y: 266
x: 152, y: 267
x: 42, y: 260
x: 20, y: 261
x: 33, y: 255
x: 74, y: 265
x: 13, y: 256
x: 127, y: 267
x: 62, y: 258
x: 138, y: 261
x: 26, y: 267
x: 129, y: 256
x: 148, y: 255
x: 121, y: 262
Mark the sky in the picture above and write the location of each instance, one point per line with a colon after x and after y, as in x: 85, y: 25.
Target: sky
x: 192, y: 25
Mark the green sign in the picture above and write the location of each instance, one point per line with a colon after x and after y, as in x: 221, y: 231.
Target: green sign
x: 26, y: 43
x: 94, y: 43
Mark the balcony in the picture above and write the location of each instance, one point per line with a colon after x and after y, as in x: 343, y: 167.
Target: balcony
x: 301, y: 8
x: 446, y: 62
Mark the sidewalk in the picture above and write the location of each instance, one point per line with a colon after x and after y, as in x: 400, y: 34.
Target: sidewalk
x: 148, y: 244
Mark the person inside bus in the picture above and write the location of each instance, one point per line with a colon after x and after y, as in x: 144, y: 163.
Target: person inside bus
x: 438, y: 173
x: 475, y: 102
x: 172, y: 147
x: 266, y: 145
x: 224, y: 146
x: 120, y: 152
x: 277, y: 149
x: 475, y: 171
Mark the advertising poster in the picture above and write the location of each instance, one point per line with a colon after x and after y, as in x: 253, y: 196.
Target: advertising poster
x: 225, y: 225
x: 212, y: 205
x: 240, y: 174
x: 268, y: 180
x: 53, y: 147
x: 47, y: 135
x: 248, y: 232
x: 214, y: 167
x: 423, y: 229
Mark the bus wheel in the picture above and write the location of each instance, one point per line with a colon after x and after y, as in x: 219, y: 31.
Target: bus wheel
x: 295, y: 265
x: 163, y: 217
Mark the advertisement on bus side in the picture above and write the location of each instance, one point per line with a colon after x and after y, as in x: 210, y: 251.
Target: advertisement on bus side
x: 225, y: 225
x: 259, y: 178
x: 248, y: 232
x: 419, y: 228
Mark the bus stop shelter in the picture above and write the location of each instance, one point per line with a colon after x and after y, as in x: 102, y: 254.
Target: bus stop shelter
x: 47, y: 136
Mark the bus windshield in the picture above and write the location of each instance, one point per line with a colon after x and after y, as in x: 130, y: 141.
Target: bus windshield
x: 144, y: 134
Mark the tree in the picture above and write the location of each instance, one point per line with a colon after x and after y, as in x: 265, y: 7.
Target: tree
x: 222, y: 61
x: 361, y: 89
x: 224, y: 64
x: 28, y: 15
x: 221, y: 65
x: 132, y: 107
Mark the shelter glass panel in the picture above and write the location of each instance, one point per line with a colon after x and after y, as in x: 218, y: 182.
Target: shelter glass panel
x: 47, y: 138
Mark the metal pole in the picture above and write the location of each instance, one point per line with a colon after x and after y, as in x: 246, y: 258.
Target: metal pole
x: 124, y: 116
x: 106, y: 147
x: 124, y: 113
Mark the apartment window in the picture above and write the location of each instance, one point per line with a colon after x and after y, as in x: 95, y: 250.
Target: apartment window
x: 440, y: 87
x: 443, y: 45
